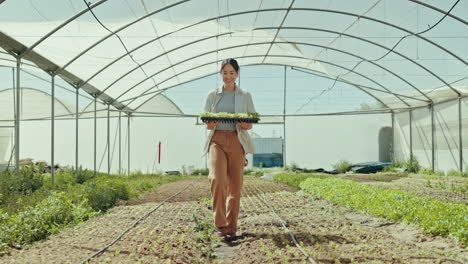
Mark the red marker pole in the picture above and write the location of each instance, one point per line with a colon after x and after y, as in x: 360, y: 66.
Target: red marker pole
x: 159, y: 153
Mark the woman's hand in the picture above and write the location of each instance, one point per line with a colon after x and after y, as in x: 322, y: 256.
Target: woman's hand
x: 245, y: 125
x: 211, y: 125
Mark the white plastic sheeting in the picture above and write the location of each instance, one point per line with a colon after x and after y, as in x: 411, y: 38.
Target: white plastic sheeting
x: 138, y: 51
x: 145, y: 134
x: 446, y: 136
x: 321, y: 141
x: 172, y: 42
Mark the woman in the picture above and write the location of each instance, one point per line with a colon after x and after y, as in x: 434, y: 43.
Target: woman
x: 227, y: 145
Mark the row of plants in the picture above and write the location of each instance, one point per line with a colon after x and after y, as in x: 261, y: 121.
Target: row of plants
x: 257, y: 172
x: 321, y: 230
x: 433, y: 216
x: 411, y: 165
x: 230, y: 117
x: 32, y: 208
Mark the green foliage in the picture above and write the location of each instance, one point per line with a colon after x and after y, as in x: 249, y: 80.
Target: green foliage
x: 29, y: 180
x: 200, y: 172
x: 411, y: 165
x: 139, y: 183
x: 62, y: 181
x: 204, y: 237
x: 427, y: 171
x: 457, y: 173
x: 295, y: 179
x: 342, y: 166
x: 292, y: 167
x: 82, y: 176
x: 103, y: 193
x: 36, y: 223
x: 31, y: 210
x: 433, y: 216
x: 253, y: 172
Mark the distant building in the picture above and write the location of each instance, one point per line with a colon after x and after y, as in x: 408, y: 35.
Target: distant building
x: 268, y: 152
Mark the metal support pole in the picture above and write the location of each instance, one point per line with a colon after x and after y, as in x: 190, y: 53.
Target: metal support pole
x: 432, y: 138
x: 120, y: 142
x: 108, y: 139
x: 392, y: 149
x: 284, y: 120
x: 460, y: 135
x: 13, y: 77
x: 128, y: 134
x: 52, y: 133
x: 17, y: 118
x: 76, y: 132
x: 411, y: 132
x: 95, y: 135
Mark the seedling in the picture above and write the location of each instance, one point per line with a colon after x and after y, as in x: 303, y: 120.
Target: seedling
x: 230, y: 117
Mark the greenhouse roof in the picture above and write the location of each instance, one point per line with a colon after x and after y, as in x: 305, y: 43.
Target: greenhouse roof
x: 403, y: 54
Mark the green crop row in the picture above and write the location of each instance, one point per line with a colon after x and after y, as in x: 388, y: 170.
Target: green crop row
x: 295, y: 179
x: 38, y: 222
x: 433, y: 216
x: 32, y: 208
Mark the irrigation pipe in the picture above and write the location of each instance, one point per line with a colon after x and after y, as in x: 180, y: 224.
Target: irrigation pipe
x: 283, y: 223
x: 133, y: 225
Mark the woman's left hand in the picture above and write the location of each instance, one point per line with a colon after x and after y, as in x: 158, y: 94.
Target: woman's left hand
x: 244, y: 125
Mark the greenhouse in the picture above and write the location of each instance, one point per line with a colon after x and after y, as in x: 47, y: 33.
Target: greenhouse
x: 104, y: 99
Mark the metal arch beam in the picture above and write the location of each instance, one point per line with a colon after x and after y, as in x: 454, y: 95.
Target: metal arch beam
x: 148, y: 61
x: 373, y: 43
x: 186, y: 45
x: 13, y: 47
x: 118, y: 30
x: 439, y: 10
x: 61, y: 26
x: 371, y: 80
x: 347, y: 82
x: 267, y: 10
x: 385, y: 23
x: 274, y: 39
x: 360, y: 87
x: 285, y: 56
x: 266, y: 43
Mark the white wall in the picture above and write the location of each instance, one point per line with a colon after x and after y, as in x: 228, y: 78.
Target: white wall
x: 320, y: 141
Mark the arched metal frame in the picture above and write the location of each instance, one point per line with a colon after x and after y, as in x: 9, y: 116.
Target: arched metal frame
x: 284, y: 56
x: 21, y: 53
x: 240, y: 13
x: 244, y: 45
x: 264, y: 43
x: 258, y: 11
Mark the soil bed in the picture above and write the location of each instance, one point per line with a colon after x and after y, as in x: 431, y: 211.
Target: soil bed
x: 330, y: 234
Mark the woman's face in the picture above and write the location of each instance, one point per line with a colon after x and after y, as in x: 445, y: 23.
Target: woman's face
x: 229, y: 74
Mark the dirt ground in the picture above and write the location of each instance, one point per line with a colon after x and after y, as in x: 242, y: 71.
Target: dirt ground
x: 328, y: 233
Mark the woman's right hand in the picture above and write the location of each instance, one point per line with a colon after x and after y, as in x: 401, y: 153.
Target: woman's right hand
x: 212, y: 125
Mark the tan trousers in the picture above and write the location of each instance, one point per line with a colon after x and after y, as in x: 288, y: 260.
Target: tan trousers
x: 226, y: 159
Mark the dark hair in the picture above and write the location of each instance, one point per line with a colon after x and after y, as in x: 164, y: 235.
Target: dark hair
x: 231, y: 61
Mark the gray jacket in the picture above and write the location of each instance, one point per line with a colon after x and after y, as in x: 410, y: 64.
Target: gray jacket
x: 243, y: 104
